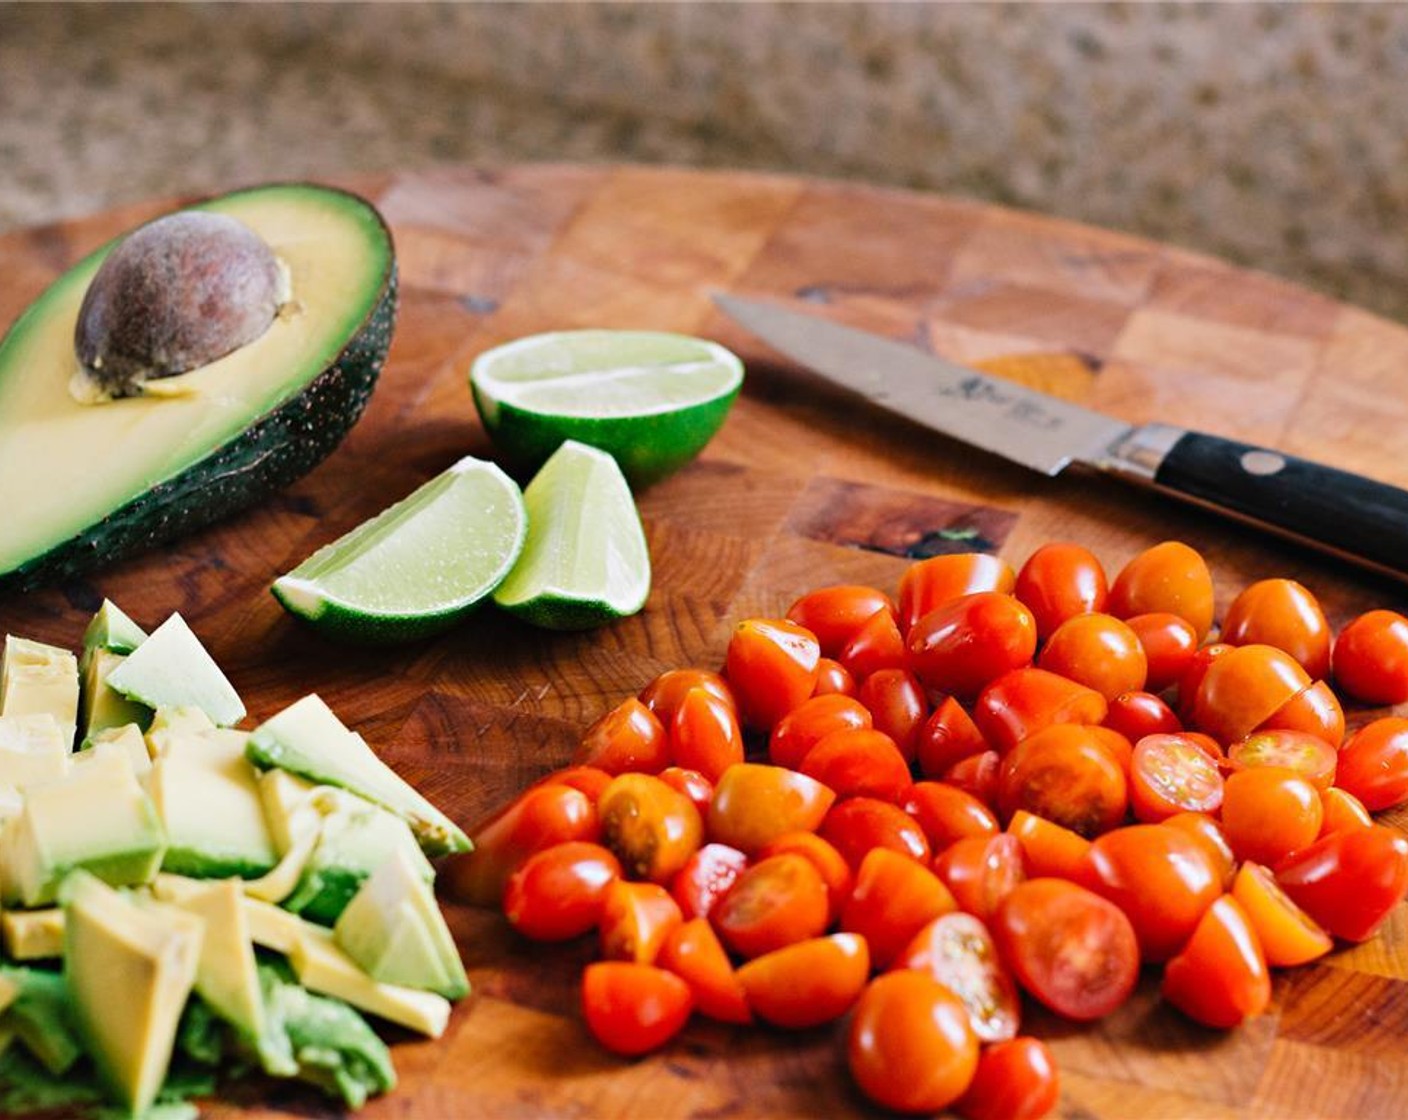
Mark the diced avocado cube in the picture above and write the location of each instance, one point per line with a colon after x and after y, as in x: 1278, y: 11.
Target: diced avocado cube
x: 172, y: 669
x: 126, y: 739
x: 33, y: 935
x: 11, y: 802
x: 32, y: 749
x: 110, y: 629
x: 36, y: 678
x: 104, y: 708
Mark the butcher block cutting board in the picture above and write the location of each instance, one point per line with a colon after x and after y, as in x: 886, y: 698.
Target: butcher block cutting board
x: 803, y: 487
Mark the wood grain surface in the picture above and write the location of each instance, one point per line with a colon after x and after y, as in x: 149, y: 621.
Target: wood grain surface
x: 802, y: 487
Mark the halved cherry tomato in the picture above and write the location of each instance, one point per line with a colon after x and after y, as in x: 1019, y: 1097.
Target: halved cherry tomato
x: 771, y: 668
x: 1350, y: 881
x: 932, y: 582
x: 1373, y: 765
x: 1370, y: 658
x: 835, y: 613
x: 1268, y: 812
x: 1065, y: 774
x: 1019, y: 704
x: 1315, y: 710
x: 897, y: 705
x: 981, y: 871
x: 591, y: 780
x: 1170, y: 645
x: 833, y: 679
x: 754, y: 804
x: 694, y: 954
x: 652, y: 827
x: 662, y: 695
x: 1287, y: 934
x: 1284, y: 614
x: 1136, y: 714
x: 1171, y: 774
x: 1071, y: 949
x: 830, y: 864
x: 947, y: 813
x: 1220, y: 979
x: 858, y: 824
x: 705, y: 735
x: 948, y: 736
x: 1058, y: 582
x: 893, y: 899
x: 692, y: 784
x: 558, y: 892
x: 633, y: 1008
x: 977, y: 775
x: 910, y: 1047
x: 1098, y: 651
x: 1016, y: 1080
x: 958, y: 951
x: 1243, y: 688
x: 1169, y: 577
x: 776, y: 902
x: 964, y: 644
x: 1192, y: 678
x: 1343, y: 812
x: 809, y: 983
x: 810, y: 722
x: 876, y: 645
x: 706, y: 877
x: 1308, y: 755
x: 1047, y: 848
x: 627, y: 738
x: 636, y: 918
x: 859, y: 762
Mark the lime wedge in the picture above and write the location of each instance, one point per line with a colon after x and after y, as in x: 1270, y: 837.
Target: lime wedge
x: 585, y: 562
x: 418, y: 566
x: 650, y: 399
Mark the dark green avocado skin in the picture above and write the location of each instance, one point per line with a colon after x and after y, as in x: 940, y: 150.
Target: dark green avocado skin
x: 272, y: 452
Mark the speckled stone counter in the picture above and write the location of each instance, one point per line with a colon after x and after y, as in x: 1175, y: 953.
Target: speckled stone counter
x: 1274, y: 135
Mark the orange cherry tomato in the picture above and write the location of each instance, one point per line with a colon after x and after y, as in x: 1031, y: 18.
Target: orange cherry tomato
x: 806, y: 725
x: 809, y: 983
x: 833, y: 679
x: 636, y: 918
x: 910, y: 1047
x: 771, y: 668
x: 1370, y: 659
x: 705, y: 878
x: 897, y: 705
x: 947, y: 813
x: 1268, y: 812
x: 1170, y: 644
x: 1016, y: 1080
x: 1136, y: 714
x: 834, y: 614
x: 776, y: 902
x: 1349, y: 882
x: 958, y: 951
x: 652, y: 827
x: 858, y: 824
x: 1192, y: 678
x: 1208, y: 832
x: 859, y: 762
x: 1315, y: 710
x: 1343, y: 812
x: 691, y: 783
x: 877, y: 645
x: 930, y: 583
x: 633, y: 1008
x: 590, y: 780
x: 705, y: 735
x: 754, y: 804
x: 1243, y: 688
x: 664, y: 692
x: 1373, y: 765
x: 1169, y: 577
x: 627, y: 738
x: 963, y: 645
x: 558, y: 893
x: 981, y: 871
x: 1019, y: 704
x: 1171, y: 774
x: 1220, y: 979
x: 1308, y: 755
x: 693, y: 953
x: 1284, y: 614
x: 894, y: 898
x: 1048, y: 850
x: 1071, y: 949
x: 1098, y: 651
x: 830, y: 864
x: 1065, y: 774
x: 1116, y: 745
x: 1058, y: 582
x: 977, y: 775
x: 1287, y: 934
x: 948, y: 736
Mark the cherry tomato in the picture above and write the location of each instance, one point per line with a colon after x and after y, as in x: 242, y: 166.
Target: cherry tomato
x: 1169, y: 644
x: 930, y: 583
x: 1171, y: 774
x: 1315, y: 710
x: 948, y: 736
x: 1098, y: 651
x: 876, y: 645
x: 755, y: 804
x: 1136, y: 714
x: 590, y: 780
x: 627, y: 738
x: 859, y: 762
x: 1160, y: 877
x: 897, y: 705
x: 1066, y: 775
x: 636, y: 918
x: 1287, y: 934
x: 1019, y: 704
x: 1220, y: 979
x: 1016, y: 1080
x: 1269, y: 812
x: 1308, y: 755
x: 776, y: 902
x: 910, y: 1047
x: 858, y: 824
x: 809, y: 983
x: 833, y: 679
x: 977, y: 775
x: 664, y: 692
x: 1048, y: 849
x: 633, y: 1008
x: 1071, y: 949
x: 692, y: 784
x: 705, y: 735
x: 1170, y: 577
x: 1371, y: 658
x: 981, y: 871
x: 966, y: 643
x: 1060, y: 581
x: 958, y: 952
x: 1243, y: 688
x: 693, y: 953
x: 1192, y: 678
x: 1349, y: 882
x: 894, y: 898
x: 558, y: 892
x: 1343, y: 812
x: 705, y: 878
x: 771, y: 668
x: 1116, y: 745
x: 1284, y: 614
x: 831, y: 865
x: 1208, y: 832
x: 652, y: 828
x: 1373, y: 765
x: 835, y: 613
x: 806, y: 725
x: 947, y: 813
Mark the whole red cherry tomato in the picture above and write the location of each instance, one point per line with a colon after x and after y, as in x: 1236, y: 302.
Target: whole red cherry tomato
x: 834, y: 614
x: 894, y: 898
x: 691, y: 783
x: 693, y: 952
x: 859, y: 762
x: 806, y: 725
x: 809, y: 983
x: 966, y: 643
x: 1192, y: 678
x: 1370, y: 658
x: 1373, y: 765
x: 833, y: 678
x: 1208, y: 832
x: 1308, y: 755
x: 755, y: 804
x: 1243, y: 688
x: 1136, y: 714
x: 947, y: 813
x: 977, y: 775
x: 1065, y: 774
x: 558, y: 893
x: 1220, y: 979
x: 980, y: 871
x: 1169, y: 644
x: 626, y: 738
x: 877, y: 645
x: 897, y: 706
x: 1098, y: 651
x: 1170, y: 577
x: 1315, y: 710
x: 958, y: 951
x: 705, y: 735
x: 652, y: 827
x: 1016, y: 1080
x: 932, y: 582
x: 948, y: 736
x: 590, y: 780
x: 771, y: 668
x: 665, y: 691
x: 705, y: 878
x: 1284, y: 614
x: 1349, y: 882
x: 1058, y: 582
x: 858, y: 824
x: 1268, y: 812
x: 633, y: 1008
x: 1170, y: 774
x: 1019, y: 704
x: 777, y: 901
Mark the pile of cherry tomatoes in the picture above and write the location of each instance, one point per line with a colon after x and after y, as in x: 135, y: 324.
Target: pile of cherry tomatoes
x: 907, y: 811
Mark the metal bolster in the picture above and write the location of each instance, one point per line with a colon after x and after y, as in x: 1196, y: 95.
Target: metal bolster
x: 1139, y: 454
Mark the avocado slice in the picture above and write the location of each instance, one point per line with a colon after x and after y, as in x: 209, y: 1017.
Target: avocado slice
x: 229, y: 433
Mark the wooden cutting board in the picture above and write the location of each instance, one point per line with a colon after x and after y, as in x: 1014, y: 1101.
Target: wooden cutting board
x: 803, y: 487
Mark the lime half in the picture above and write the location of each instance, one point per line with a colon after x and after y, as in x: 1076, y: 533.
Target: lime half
x: 650, y: 399
x: 586, y: 561
x: 418, y: 566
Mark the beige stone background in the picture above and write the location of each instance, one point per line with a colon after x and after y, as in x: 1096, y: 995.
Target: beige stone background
x: 1275, y: 135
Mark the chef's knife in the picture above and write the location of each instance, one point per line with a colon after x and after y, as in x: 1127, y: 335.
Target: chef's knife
x: 1333, y: 510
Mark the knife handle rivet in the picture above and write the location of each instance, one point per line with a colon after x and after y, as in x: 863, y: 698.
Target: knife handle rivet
x: 1262, y: 462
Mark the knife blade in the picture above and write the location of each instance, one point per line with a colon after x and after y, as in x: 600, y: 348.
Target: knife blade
x: 1344, y: 514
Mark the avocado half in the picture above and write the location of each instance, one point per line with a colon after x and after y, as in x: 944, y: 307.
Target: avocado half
x: 82, y: 484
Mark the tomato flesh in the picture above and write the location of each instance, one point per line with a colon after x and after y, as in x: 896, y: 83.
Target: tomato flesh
x: 958, y: 951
